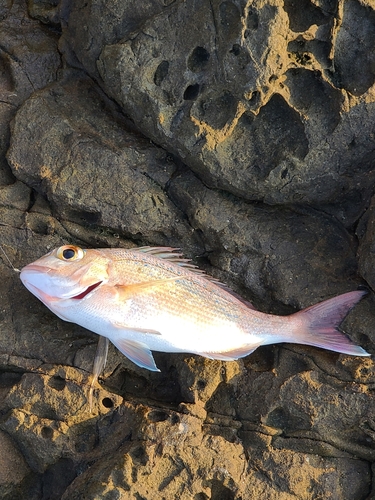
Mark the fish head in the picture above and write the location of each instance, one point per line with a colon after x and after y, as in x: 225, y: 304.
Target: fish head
x: 67, y: 272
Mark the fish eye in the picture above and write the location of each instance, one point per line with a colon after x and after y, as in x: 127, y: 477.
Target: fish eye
x: 70, y: 252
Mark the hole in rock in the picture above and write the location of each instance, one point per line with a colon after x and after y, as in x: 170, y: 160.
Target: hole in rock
x: 107, y: 403
x: 9, y: 379
x: 201, y: 384
x: 282, y: 418
x: 191, y: 92
x: 90, y: 218
x: 221, y: 492
x: 321, y: 104
x: 139, y: 455
x: 163, y: 388
x: 217, y: 110
x: 57, y: 383
x: 175, y: 419
x: 201, y: 496
x: 157, y: 416
x: 161, y: 72
x: 47, y: 432
x: 252, y: 19
x: 236, y: 49
x: 321, y: 49
x: 303, y: 14
x: 255, y: 97
x: 198, y: 59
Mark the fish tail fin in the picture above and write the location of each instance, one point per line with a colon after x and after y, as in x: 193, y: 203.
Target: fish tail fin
x: 318, y: 324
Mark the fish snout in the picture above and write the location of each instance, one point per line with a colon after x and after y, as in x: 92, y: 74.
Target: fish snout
x: 42, y: 282
x: 33, y: 274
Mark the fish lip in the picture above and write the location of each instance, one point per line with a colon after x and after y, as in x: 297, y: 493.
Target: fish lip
x: 36, y: 268
x: 44, y: 297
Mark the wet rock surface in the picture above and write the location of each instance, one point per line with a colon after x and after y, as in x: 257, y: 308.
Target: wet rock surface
x: 242, y: 134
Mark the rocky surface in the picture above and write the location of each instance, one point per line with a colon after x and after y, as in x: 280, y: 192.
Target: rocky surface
x: 243, y: 133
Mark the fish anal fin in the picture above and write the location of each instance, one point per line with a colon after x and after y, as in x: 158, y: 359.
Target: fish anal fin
x: 233, y: 354
x: 138, y: 352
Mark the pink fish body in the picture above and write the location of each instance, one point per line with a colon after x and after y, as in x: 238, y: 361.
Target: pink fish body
x: 149, y: 299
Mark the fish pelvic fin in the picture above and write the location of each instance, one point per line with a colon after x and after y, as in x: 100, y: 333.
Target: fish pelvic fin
x: 318, y: 324
x: 99, y: 364
x: 138, y: 352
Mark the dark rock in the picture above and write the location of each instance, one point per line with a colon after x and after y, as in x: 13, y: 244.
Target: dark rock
x: 93, y: 169
x: 354, y: 58
x: 260, y: 245
x: 230, y: 101
x: 13, y: 467
x: 366, y: 250
x: 47, y: 11
x: 29, y: 60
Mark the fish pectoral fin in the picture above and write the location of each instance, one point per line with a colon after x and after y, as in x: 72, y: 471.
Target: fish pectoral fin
x: 125, y: 291
x: 233, y: 354
x: 138, y: 352
x: 123, y: 326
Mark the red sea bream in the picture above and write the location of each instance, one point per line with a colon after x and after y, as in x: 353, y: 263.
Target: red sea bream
x: 150, y: 299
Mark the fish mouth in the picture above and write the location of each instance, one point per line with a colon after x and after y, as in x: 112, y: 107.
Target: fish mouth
x: 45, y: 298
x: 32, y: 278
x: 87, y: 291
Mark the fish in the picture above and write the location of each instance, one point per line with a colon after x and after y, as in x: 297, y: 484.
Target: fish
x: 152, y: 299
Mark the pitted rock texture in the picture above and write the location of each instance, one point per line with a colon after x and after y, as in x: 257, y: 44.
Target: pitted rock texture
x: 225, y: 84
x: 242, y: 133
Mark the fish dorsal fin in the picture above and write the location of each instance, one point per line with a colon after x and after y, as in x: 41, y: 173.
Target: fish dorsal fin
x: 174, y: 255
x: 170, y: 254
